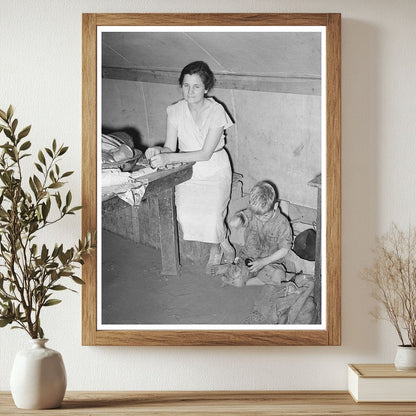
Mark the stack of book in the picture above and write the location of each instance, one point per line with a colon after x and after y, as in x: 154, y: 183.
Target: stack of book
x: 381, y: 383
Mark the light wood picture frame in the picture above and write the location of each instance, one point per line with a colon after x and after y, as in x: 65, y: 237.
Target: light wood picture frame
x: 329, y: 332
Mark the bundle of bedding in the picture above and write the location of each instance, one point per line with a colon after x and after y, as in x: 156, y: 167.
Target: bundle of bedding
x: 122, y: 167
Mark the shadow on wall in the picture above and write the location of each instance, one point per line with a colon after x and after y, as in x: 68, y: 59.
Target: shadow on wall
x: 225, y: 108
x: 361, y: 118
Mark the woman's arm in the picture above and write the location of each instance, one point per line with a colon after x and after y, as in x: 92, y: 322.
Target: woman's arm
x: 168, y: 157
x: 170, y: 142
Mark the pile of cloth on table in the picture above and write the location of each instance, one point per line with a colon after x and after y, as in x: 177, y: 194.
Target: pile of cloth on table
x: 122, y: 169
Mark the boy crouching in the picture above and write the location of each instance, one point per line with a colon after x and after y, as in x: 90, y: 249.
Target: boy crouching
x: 267, y: 240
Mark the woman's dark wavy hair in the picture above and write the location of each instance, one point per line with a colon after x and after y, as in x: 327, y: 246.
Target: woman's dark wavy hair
x: 202, y: 69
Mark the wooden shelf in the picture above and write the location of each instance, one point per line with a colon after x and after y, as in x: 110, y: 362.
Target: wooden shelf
x: 178, y: 403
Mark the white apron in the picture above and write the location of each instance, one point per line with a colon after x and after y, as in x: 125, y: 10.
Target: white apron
x: 201, y: 202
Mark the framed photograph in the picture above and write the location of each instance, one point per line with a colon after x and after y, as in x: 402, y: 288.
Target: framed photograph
x: 174, y: 107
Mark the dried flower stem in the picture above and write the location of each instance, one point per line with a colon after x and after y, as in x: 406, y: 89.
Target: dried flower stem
x: 393, y: 277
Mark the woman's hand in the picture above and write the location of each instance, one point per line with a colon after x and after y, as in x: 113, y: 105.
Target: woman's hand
x: 160, y: 160
x: 152, y: 151
x: 257, y: 265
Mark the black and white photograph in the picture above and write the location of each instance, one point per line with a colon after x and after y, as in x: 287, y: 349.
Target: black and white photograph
x: 211, y: 177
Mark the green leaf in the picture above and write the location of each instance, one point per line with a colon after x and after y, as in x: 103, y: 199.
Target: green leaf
x: 39, y: 167
x: 3, y: 115
x: 10, y: 112
x: 45, y: 211
x: 33, y: 187
x: 77, y: 280
x: 6, y: 145
x: 60, y: 249
x: 40, y: 332
x: 34, y: 226
x: 14, y: 125
x: 77, y: 208
x: 41, y: 157
x: 62, y: 257
x: 54, y: 276
x: 58, y: 199
x: 63, y: 150
x: 34, y: 249
x: 5, y: 321
x: 67, y: 174
x: 25, y: 145
x: 56, y: 185
x: 68, y: 198
x: 42, y: 194
x: 54, y: 145
x: 59, y: 287
x: 8, y: 133
x: 44, y: 253
x: 49, y: 152
x: 55, y: 251
x: 37, y: 183
x: 51, y: 302
x: 24, y: 132
x: 5, y: 298
x: 4, y: 249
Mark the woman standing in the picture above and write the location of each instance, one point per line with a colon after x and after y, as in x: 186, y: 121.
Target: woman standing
x: 196, y: 127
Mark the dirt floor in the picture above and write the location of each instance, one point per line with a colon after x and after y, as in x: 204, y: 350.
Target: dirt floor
x: 134, y: 291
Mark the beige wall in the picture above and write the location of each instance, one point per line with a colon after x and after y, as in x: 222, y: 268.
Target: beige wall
x: 41, y: 76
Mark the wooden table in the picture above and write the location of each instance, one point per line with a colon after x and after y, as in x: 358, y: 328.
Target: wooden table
x: 160, y: 188
x: 317, y: 403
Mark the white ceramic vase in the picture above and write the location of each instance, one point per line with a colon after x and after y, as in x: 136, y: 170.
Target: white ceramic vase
x: 38, y: 377
x: 405, y: 358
